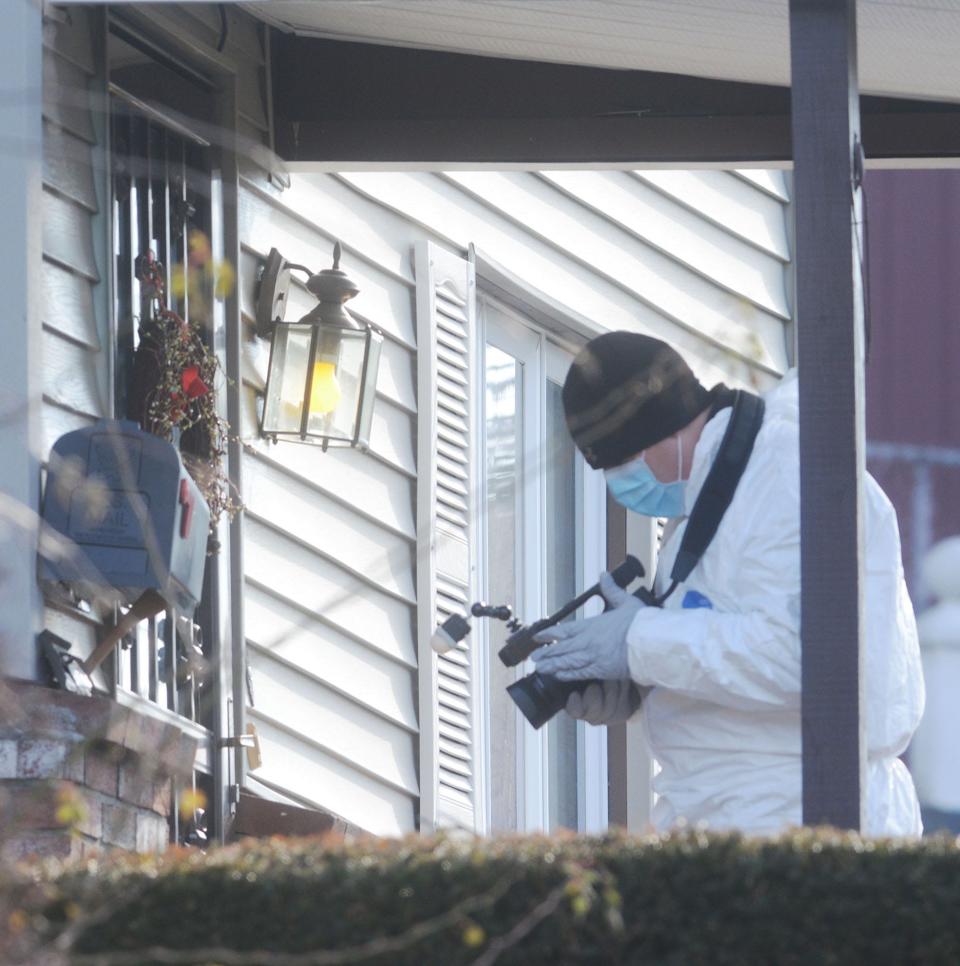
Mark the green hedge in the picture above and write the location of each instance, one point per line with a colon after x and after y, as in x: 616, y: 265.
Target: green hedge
x: 810, y: 897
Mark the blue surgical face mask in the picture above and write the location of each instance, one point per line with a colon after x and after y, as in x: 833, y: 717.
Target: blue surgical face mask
x: 634, y: 486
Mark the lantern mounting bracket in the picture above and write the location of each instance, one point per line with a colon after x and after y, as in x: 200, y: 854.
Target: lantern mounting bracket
x: 273, y: 286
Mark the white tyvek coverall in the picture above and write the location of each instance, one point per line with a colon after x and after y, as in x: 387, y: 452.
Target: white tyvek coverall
x: 723, y: 716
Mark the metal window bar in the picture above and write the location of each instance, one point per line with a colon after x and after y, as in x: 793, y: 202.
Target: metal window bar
x: 170, y: 660
x: 136, y: 664
x: 182, y: 226
x: 152, y: 658
x: 192, y: 680
x: 123, y: 245
x: 142, y: 205
x: 165, y: 238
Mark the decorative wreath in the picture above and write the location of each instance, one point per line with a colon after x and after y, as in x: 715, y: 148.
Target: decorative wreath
x: 171, y: 391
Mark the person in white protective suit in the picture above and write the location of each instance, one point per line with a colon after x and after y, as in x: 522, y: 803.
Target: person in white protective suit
x: 718, y: 666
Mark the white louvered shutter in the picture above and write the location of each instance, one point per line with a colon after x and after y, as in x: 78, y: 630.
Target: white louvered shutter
x: 446, y: 547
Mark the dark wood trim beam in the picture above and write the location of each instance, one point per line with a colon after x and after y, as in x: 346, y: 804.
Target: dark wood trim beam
x: 916, y: 135
x: 318, y: 80
x: 830, y: 361
x: 539, y: 141
x: 363, y: 103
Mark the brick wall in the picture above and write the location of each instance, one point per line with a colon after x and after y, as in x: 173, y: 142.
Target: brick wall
x: 84, y: 772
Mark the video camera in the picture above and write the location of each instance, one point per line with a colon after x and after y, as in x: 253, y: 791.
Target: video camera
x: 538, y: 696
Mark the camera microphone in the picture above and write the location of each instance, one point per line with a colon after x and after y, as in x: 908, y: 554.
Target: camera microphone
x: 449, y: 634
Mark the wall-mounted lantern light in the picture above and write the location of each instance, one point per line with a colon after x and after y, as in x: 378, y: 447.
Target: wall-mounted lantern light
x: 322, y: 376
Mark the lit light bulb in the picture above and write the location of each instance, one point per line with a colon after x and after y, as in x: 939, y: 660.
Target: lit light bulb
x: 325, y: 392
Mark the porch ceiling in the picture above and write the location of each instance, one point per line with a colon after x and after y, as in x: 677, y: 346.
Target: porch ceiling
x: 907, y: 48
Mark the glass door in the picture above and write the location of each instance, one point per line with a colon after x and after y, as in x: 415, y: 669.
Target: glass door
x: 543, y: 530
x: 502, y: 528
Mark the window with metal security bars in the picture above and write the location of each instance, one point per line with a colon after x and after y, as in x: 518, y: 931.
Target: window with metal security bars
x: 161, y: 211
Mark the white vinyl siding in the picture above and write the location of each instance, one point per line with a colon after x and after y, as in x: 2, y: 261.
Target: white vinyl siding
x: 596, y: 262
x: 75, y: 336
x: 330, y: 542
x: 75, y: 365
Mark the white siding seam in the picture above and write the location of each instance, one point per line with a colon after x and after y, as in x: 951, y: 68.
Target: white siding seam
x: 410, y: 474
x: 396, y: 403
x: 309, y: 210
x: 759, y: 187
x: 360, y: 255
x: 618, y: 283
x: 254, y: 122
x: 432, y: 232
x: 363, y: 577
x: 75, y: 269
x: 64, y: 54
x: 260, y: 456
x: 53, y: 188
x: 90, y: 142
x: 55, y: 99
x: 50, y: 401
x: 302, y: 800
x: 253, y: 167
x: 410, y: 727
x: 716, y: 222
x: 322, y: 619
x: 68, y: 337
x: 255, y: 712
x: 58, y: 124
x: 666, y: 252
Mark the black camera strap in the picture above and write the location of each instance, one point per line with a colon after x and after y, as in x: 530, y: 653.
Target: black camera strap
x: 718, y: 488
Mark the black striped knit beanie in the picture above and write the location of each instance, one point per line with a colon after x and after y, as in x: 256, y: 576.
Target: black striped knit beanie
x: 625, y: 392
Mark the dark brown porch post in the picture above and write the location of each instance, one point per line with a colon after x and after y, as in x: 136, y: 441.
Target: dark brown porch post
x: 826, y: 125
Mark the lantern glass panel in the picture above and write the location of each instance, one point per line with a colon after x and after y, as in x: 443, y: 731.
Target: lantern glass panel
x: 374, y: 343
x: 287, y: 380
x: 335, y: 393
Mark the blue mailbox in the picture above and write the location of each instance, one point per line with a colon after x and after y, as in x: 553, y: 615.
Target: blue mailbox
x: 132, y: 517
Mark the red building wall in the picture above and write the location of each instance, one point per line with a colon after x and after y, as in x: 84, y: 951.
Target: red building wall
x: 913, y: 367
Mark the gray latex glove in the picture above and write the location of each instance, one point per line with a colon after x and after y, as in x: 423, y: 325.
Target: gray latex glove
x: 604, y: 702
x: 595, y: 647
